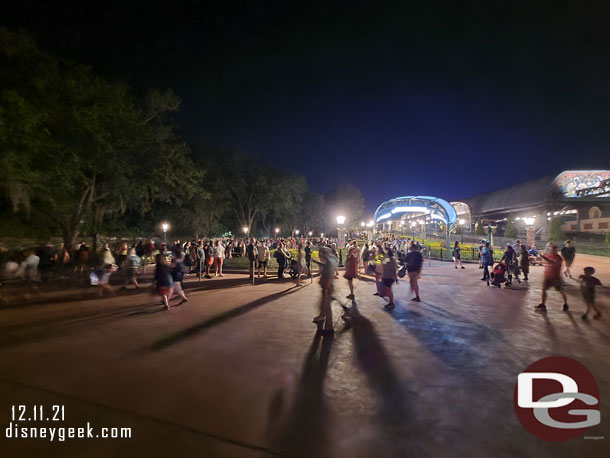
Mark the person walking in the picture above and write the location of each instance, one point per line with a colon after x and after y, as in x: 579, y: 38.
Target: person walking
x: 351, y: 269
x: 587, y: 287
x: 568, y: 252
x: 219, y: 255
x: 328, y: 266
x: 524, y: 262
x: 552, y: 277
x: 457, y: 255
x: 163, y: 280
x: 177, y: 270
x: 131, y: 264
x: 388, y: 277
x: 415, y: 261
x: 262, y: 258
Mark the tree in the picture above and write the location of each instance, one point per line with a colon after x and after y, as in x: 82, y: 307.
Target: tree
x: 78, y: 147
x: 608, y: 237
x: 511, y: 230
x: 480, y: 229
x: 555, y: 232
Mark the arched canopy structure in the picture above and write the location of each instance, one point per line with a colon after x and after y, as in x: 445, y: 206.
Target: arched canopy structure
x: 434, y: 207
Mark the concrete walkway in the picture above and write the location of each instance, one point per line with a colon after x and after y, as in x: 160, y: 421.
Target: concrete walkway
x: 239, y: 372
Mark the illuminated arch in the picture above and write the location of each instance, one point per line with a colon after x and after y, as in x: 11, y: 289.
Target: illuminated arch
x: 435, y: 207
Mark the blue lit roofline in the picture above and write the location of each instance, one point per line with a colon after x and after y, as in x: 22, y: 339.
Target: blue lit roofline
x: 402, y: 208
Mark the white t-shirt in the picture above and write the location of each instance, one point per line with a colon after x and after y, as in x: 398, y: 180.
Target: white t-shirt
x: 219, y: 251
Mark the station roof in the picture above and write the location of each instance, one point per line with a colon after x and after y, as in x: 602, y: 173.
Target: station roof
x: 529, y: 194
x: 563, y: 188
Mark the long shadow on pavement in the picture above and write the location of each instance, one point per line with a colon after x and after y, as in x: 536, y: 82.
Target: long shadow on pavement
x: 397, y: 420
x: 306, y: 431
x: 219, y: 319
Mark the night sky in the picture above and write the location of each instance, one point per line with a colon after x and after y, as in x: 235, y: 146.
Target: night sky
x: 449, y: 100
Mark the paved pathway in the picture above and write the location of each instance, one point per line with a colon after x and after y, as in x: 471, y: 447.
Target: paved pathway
x: 238, y: 371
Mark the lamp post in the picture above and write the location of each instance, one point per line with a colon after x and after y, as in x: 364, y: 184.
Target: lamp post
x: 165, y: 227
x: 341, y: 238
x: 310, y: 233
x: 297, y: 233
x: 245, y: 229
x: 277, y: 231
x: 461, y: 222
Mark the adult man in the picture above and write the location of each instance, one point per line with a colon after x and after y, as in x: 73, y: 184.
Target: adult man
x: 552, y: 277
x: 308, y: 257
x: 263, y: 258
x: 487, y: 260
x: 568, y: 252
x: 201, y: 257
x: 328, y: 266
x: 251, y: 252
x: 415, y: 261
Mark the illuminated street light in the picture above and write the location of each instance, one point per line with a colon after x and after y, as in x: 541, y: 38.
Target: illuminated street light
x: 296, y: 232
x: 165, y: 227
x: 362, y: 224
x: 277, y: 230
x: 322, y: 235
x: 245, y: 229
x: 310, y: 233
x: 529, y: 221
x: 340, y: 221
x: 462, y: 222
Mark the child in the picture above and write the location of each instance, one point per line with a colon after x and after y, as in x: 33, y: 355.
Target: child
x: 587, y: 287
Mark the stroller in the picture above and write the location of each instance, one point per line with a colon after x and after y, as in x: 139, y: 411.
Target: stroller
x: 498, y: 275
x: 293, y: 268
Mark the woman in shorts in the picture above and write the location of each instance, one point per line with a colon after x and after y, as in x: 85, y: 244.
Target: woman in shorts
x: 351, y: 269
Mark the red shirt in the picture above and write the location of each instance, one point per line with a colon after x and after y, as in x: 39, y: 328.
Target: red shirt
x: 552, y: 269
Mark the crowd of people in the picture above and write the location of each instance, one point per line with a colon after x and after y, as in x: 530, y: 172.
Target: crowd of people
x: 385, y: 260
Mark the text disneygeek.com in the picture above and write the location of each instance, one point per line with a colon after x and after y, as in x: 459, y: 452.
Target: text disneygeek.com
x: 41, y: 422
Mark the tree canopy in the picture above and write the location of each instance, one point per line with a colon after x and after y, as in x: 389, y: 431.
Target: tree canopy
x: 82, y: 154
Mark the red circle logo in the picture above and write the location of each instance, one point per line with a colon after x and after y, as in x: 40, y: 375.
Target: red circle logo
x: 557, y: 399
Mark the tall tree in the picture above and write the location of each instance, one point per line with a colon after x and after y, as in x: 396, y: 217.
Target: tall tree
x: 87, y: 148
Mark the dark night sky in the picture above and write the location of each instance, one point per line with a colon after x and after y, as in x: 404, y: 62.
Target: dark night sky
x: 396, y: 99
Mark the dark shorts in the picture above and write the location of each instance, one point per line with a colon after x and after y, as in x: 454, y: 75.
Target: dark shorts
x: 548, y: 283
x: 131, y: 273
x: 387, y: 281
x: 262, y: 264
